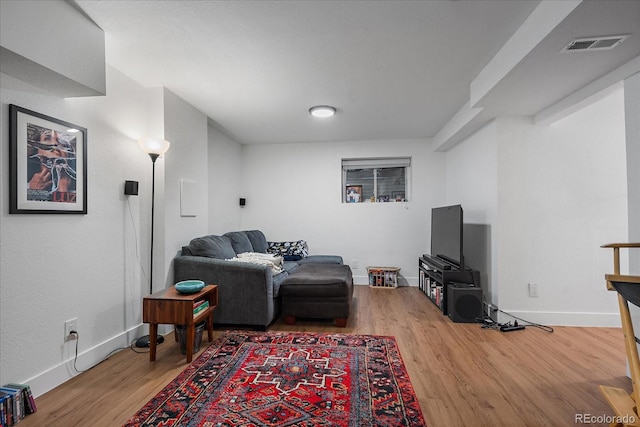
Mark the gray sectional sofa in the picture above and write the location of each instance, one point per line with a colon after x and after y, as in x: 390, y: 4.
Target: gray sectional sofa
x: 248, y: 294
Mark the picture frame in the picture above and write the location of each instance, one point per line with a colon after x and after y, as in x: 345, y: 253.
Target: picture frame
x: 48, y: 164
x: 353, y: 193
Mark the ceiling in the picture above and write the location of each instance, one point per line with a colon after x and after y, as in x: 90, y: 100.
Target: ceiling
x: 393, y: 69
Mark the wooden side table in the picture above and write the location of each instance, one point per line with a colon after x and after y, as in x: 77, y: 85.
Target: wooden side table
x: 169, y: 306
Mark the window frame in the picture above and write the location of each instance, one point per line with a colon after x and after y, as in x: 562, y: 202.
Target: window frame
x: 375, y: 163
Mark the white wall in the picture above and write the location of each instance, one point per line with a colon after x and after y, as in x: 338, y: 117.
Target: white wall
x: 294, y: 191
x: 56, y: 267
x: 561, y: 193
x: 225, y: 182
x: 186, y: 129
x: 472, y: 181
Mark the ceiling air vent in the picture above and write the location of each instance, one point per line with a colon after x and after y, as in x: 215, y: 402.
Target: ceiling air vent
x: 594, y: 43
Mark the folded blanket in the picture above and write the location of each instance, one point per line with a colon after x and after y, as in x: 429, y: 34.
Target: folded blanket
x: 273, y: 261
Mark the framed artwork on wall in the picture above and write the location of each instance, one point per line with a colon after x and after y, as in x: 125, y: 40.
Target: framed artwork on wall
x: 48, y: 164
x: 353, y: 193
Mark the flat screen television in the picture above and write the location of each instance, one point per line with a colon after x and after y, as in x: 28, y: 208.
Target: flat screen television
x: 446, y: 234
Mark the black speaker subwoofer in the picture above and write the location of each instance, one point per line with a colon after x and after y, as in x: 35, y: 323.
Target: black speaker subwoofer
x: 464, y: 303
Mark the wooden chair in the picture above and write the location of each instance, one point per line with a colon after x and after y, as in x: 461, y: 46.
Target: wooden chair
x: 623, y: 404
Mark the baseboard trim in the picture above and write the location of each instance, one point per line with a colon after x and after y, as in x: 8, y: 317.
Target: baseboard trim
x: 63, y: 372
x: 402, y: 280
x: 604, y: 320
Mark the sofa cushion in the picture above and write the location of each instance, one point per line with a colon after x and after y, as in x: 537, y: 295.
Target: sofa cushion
x: 318, y: 280
x: 321, y: 259
x: 239, y: 241
x: 290, y: 266
x: 212, y: 247
x: 258, y: 241
x: 277, y: 281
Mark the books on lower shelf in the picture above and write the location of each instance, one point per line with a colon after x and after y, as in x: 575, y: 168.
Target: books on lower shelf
x: 438, y: 299
x: 199, y: 307
x: 16, y: 402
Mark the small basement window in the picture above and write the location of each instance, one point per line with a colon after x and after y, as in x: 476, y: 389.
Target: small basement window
x: 376, y: 179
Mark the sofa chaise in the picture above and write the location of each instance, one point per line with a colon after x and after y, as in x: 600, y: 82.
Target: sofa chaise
x: 248, y: 293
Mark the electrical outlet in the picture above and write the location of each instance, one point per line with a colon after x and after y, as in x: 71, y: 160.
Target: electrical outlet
x: 70, y: 325
x: 354, y: 263
x: 533, y: 290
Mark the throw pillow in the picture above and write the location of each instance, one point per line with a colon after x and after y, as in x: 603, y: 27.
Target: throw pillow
x: 292, y: 251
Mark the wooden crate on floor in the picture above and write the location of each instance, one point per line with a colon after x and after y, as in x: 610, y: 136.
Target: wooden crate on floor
x: 383, y: 277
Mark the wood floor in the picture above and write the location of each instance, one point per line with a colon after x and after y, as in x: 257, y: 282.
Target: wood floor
x: 463, y: 375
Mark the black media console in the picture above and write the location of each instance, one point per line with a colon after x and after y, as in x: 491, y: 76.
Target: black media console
x: 435, y: 274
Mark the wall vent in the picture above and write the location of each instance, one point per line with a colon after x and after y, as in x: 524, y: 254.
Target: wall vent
x: 588, y: 44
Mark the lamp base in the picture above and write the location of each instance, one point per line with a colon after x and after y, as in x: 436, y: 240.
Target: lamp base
x: 145, y: 341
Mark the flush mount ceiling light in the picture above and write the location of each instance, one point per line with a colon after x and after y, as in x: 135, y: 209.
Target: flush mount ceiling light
x: 322, y: 111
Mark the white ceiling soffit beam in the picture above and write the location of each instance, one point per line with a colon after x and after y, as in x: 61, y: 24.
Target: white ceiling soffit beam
x: 454, y: 130
x: 589, y: 94
x: 542, y: 21
x: 60, y: 51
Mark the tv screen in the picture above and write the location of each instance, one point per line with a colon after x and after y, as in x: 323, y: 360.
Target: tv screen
x: 446, y: 234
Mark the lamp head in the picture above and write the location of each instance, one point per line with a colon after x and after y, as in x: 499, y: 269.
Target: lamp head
x: 154, y: 147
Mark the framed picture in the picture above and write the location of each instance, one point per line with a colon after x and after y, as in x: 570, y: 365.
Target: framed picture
x: 48, y: 164
x: 353, y: 193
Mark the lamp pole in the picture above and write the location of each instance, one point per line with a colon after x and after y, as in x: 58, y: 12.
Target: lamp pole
x: 154, y: 148
x: 154, y: 157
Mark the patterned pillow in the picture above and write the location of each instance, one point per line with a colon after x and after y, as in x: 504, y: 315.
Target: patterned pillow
x: 290, y: 251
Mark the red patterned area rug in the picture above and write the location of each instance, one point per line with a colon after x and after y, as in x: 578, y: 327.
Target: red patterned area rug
x: 289, y: 379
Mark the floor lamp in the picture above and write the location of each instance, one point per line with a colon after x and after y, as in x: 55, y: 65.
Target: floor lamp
x: 154, y: 148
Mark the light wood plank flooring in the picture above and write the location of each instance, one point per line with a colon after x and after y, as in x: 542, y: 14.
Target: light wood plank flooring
x: 462, y: 374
